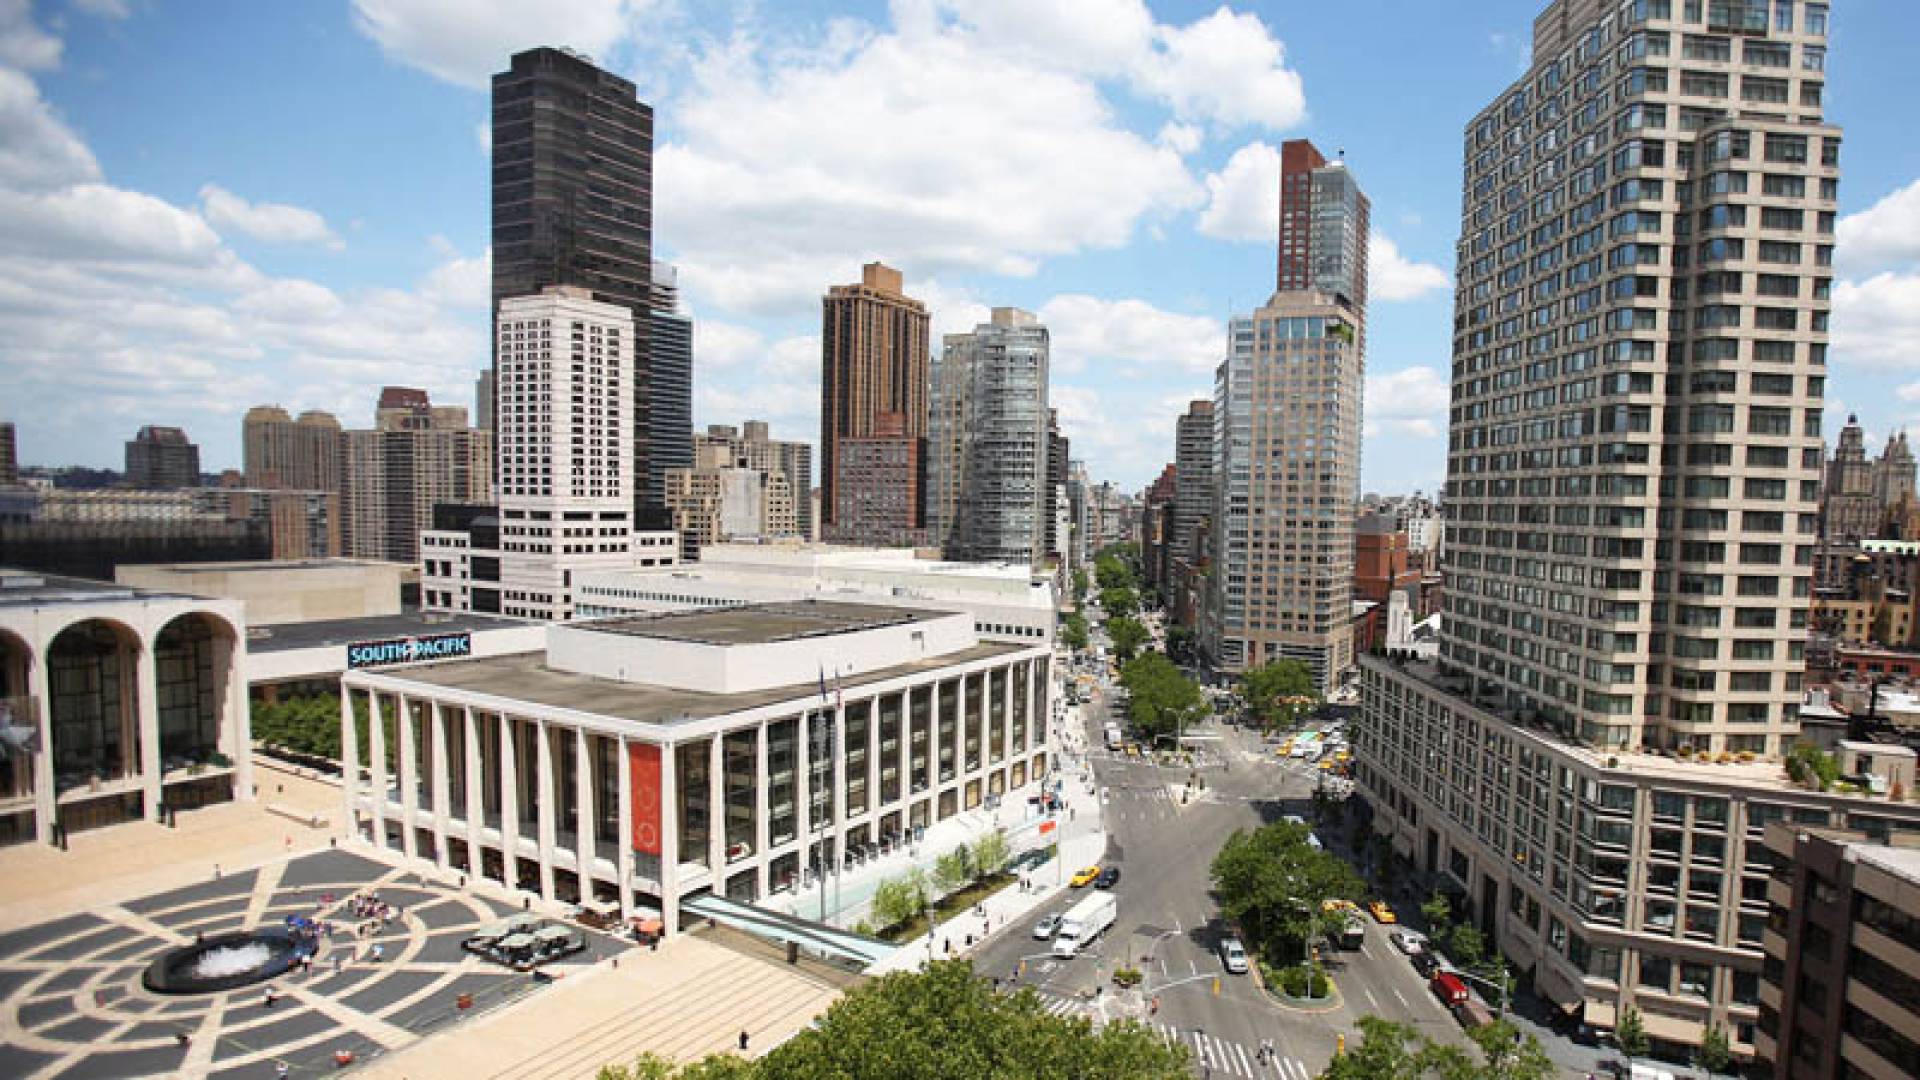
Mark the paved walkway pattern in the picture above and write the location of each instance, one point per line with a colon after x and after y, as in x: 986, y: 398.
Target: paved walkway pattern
x: 72, y: 1007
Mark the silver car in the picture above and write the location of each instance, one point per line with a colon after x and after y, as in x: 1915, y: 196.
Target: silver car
x: 1233, y: 956
x: 1046, y: 927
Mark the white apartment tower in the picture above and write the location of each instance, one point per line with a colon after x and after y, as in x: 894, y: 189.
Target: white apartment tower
x: 1003, y: 444
x: 563, y: 425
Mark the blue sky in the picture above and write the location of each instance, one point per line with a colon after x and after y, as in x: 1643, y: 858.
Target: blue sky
x: 210, y: 205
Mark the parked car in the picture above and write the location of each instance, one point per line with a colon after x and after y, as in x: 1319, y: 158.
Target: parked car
x: 1084, y: 877
x: 1233, y: 956
x: 1045, y: 928
x: 1449, y: 988
x: 1411, y: 942
x: 1108, y: 878
x: 1426, y: 962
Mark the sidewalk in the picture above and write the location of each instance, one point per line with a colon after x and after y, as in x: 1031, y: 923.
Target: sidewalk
x: 1083, y: 843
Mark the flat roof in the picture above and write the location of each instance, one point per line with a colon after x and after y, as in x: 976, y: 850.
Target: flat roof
x: 267, y: 566
x: 758, y: 624
x: 25, y: 588
x: 282, y: 637
x: 1902, y: 862
x: 526, y: 677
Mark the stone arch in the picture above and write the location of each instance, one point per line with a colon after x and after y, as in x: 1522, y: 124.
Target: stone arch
x: 93, y: 703
x: 18, y: 714
x: 194, y: 654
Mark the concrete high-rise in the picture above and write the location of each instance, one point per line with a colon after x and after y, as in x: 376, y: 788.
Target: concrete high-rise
x: 719, y: 499
x: 162, y: 459
x: 752, y: 447
x: 416, y: 455
x: 669, y: 374
x: 1001, y: 511
x: 573, y: 205
x: 874, y: 360
x: 1193, y: 476
x: 949, y: 399
x: 9, y: 455
x: 483, y: 400
x: 280, y: 452
x: 1639, y: 361
x: 1287, y: 402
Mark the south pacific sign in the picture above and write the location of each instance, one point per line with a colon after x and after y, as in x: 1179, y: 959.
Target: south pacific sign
x: 368, y: 654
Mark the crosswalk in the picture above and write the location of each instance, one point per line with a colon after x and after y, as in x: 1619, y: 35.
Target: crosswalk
x: 1212, y: 1056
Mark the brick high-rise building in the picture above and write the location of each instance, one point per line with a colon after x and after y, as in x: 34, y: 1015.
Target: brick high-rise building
x: 883, y: 482
x: 162, y: 459
x: 9, y: 455
x: 416, y: 455
x: 874, y: 363
x: 752, y: 447
x: 1193, y: 475
x: 1323, y: 226
x: 573, y: 205
x: 284, y: 453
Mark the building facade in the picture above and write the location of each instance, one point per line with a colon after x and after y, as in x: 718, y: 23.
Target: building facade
x: 1193, y: 463
x: 1287, y: 410
x: 752, y: 446
x: 1839, y: 993
x: 718, y: 500
x: 1323, y: 226
x: 162, y: 459
x: 1632, y: 484
x: 874, y: 363
x: 573, y: 205
x: 645, y: 759
x: 416, y: 456
x: 669, y: 391
x: 1000, y: 513
x: 9, y: 455
x: 884, y: 479
x: 282, y: 452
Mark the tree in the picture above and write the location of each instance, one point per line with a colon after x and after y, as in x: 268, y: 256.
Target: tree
x: 1159, y: 698
x: 1110, y: 572
x: 952, y: 870
x: 1468, y: 945
x: 1279, y: 692
x: 991, y: 853
x: 1180, y: 641
x: 1119, y: 602
x: 1808, y: 764
x: 651, y: 1066
x: 1392, y: 1051
x: 1128, y: 635
x: 1079, y: 585
x: 896, y: 900
x: 1715, y: 1055
x: 1386, y: 1051
x: 1507, y: 1055
x: 1630, y: 1033
x: 1439, y: 915
x: 1275, y: 885
x: 1073, y: 631
x: 945, y: 1023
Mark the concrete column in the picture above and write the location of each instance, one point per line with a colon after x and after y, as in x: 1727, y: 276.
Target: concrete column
x: 837, y: 746
x: 236, y: 723
x: 762, y: 827
x: 442, y: 783
x: 583, y: 828
x: 39, y: 693
x: 409, y: 778
x: 349, y: 765
x: 377, y: 767
x: 1006, y: 711
x: 509, y: 806
x: 623, y: 847
x: 873, y: 762
x: 717, y: 813
x: 803, y: 788
x: 147, y: 706
x: 544, y: 804
x: 905, y: 753
x: 670, y: 838
x: 476, y: 792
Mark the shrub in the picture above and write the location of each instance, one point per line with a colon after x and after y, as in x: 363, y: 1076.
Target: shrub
x: 1299, y: 981
x: 1127, y: 977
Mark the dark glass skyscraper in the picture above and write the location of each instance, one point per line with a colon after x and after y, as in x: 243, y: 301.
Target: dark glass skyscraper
x: 573, y: 204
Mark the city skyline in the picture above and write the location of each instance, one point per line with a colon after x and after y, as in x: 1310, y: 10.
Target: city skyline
x: 237, y: 266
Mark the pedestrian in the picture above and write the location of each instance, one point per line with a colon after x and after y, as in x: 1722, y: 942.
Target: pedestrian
x: 743, y: 1042
x: 216, y: 871
x: 378, y: 952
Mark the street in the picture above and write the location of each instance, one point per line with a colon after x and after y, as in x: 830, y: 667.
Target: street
x: 1163, y: 837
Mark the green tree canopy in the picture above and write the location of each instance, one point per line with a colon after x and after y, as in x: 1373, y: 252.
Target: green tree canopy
x: 991, y: 853
x: 1160, y: 698
x: 1128, y: 635
x: 1073, y: 631
x: 946, y: 1024
x: 1119, y: 601
x: 952, y: 870
x: 1279, y: 692
x: 1394, y: 1051
x: 1109, y: 572
x: 896, y: 900
x: 1630, y: 1034
x: 1274, y: 883
x: 1079, y: 585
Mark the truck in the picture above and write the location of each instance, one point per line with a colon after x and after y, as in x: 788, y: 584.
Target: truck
x: 1085, y: 921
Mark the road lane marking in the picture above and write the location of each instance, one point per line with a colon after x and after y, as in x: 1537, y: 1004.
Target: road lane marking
x: 1403, y: 1000
x: 1240, y: 1053
x: 1371, y: 1000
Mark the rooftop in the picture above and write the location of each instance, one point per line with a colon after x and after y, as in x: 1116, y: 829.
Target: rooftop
x: 526, y: 677
x: 760, y: 624
x: 1902, y: 862
x: 282, y: 637
x: 22, y: 588
x: 268, y: 566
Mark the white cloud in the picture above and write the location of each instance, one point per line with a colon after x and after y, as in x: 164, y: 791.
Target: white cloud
x: 483, y: 134
x: 1182, y: 139
x: 1227, y: 68
x: 1124, y: 432
x: 1243, y: 199
x: 1393, y: 276
x: 461, y: 283
x: 1412, y: 401
x: 1876, y: 322
x: 37, y: 151
x: 780, y: 186
x: 105, y: 9
x: 100, y: 224
x: 1884, y: 234
x: 272, y: 223
x: 22, y: 43
x: 1089, y: 333
x: 466, y: 41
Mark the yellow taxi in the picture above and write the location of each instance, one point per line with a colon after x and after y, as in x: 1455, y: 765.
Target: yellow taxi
x: 1336, y: 906
x: 1382, y: 913
x: 1084, y: 877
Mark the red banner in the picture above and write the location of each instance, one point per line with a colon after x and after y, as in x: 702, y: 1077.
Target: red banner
x: 643, y: 765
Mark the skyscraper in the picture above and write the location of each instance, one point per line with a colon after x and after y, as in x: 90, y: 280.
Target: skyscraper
x: 1002, y: 502
x: 669, y: 368
x: 1285, y: 446
x: 9, y: 455
x: 1193, y: 475
x: 874, y: 358
x: 417, y: 454
x: 949, y: 398
x: 573, y: 205
x: 161, y: 459
x: 283, y: 453
x: 1634, y: 450
x: 483, y: 400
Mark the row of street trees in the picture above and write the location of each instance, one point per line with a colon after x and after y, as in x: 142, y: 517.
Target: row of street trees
x: 1275, y: 885
x: 898, y: 900
x: 1160, y: 700
x: 1394, y: 1051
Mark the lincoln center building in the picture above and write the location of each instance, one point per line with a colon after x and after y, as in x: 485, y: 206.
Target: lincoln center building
x: 726, y: 752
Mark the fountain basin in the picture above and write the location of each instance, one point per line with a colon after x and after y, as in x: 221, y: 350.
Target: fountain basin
x: 223, y: 962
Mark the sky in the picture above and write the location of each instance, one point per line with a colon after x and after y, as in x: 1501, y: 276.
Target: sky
x: 208, y: 205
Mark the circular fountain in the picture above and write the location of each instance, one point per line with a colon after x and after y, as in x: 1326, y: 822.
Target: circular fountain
x: 224, y: 962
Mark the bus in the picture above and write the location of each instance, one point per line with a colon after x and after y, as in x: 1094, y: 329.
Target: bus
x: 1115, y: 737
